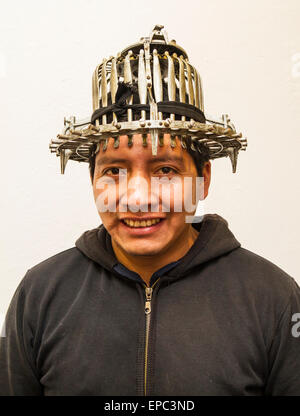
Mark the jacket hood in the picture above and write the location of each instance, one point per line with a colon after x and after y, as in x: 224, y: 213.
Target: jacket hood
x: 214, y: 240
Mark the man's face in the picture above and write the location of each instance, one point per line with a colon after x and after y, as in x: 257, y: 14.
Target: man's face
x: 146, y: 202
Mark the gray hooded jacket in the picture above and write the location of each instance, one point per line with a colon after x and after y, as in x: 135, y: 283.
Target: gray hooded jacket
x: 219, y: 321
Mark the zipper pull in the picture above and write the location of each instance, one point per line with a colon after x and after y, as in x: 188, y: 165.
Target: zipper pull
x: 148, y: 300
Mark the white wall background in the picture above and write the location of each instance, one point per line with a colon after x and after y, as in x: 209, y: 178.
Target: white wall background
x: 248, y: 54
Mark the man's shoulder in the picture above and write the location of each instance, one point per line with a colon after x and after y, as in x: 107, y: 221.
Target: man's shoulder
x: 260, y: 274
x: 56, y: 260
x: 61, y: 265
x: 258, y: 264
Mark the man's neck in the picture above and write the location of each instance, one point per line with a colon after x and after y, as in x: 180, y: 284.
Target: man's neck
x: 145, y: 266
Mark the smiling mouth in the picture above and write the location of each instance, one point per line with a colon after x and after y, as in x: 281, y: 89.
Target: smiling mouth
x: 141, y: 224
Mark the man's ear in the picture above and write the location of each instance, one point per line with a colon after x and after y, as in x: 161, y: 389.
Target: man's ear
x: 206, y: 173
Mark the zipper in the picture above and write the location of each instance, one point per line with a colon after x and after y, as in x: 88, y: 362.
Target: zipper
x: 148, y: 292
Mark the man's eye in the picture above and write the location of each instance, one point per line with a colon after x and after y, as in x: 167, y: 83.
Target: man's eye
x: 167, y: 169
x: 112, y: 171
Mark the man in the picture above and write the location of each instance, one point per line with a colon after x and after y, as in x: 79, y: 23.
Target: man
x: 150, y: 302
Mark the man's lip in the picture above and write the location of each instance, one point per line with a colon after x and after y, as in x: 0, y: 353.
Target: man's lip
x: 142, y: 218
x: 141, y: 231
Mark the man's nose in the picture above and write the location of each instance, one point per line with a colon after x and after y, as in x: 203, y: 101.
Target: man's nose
x: 139, y: 195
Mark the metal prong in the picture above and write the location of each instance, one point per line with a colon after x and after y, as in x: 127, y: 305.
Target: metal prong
x: 130, y: 142
x: 95, y: 89
x: 201, y: 92
x: 145, y: 140
x: 104, y: 89
x: 190, y: 83
x: 183, y: 143
x: 161, y: 140
x: 154, y: 141
x: 113, y: 84
x: 171, y: 81
x: 97, y: 148
x: 225, y: 120
x: 233, y: 154
x: 142, y: 84
x: 182, y: 88
x: 153, y: 116
x: 192, y: 145
x: 147, y: 60
x: 199, y: 149
x: 197, y: 89
x: 64, y: 157
x: 158, y: 90
x: 105, y: 144
x: 117, y: 142
x: 173, y: 141
x: 128, y: 80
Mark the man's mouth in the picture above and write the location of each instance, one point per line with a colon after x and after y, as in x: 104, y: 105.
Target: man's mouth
x: 141, y: 223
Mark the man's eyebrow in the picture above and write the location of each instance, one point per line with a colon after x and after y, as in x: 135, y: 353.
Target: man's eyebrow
x: 108, y: 160
x: 167, y: 159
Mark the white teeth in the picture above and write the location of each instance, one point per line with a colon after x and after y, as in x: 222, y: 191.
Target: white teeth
x: 144, y: 223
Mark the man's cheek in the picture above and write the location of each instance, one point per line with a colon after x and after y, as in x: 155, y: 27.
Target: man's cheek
x: 180, y: 195
x: 105, y: 197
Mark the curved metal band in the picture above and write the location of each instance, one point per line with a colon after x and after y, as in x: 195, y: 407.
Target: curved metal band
x: 174, y: 107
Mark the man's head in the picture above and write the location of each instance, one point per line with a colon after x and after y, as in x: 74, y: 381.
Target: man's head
x: 170, y: 163
x: 149, y: 86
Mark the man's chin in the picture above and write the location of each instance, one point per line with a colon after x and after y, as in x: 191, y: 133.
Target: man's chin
x: 140, y: 250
